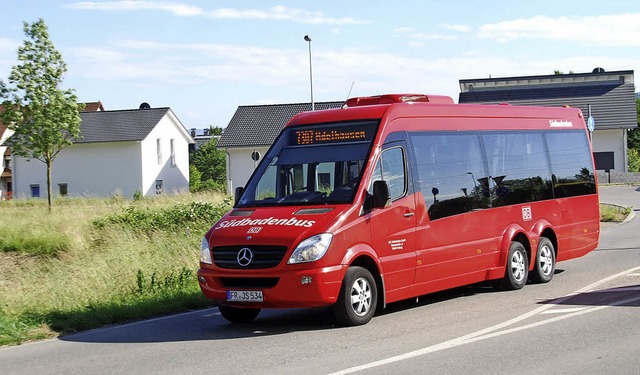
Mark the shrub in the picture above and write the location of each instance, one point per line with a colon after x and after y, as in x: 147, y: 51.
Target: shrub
x: 177, y: 217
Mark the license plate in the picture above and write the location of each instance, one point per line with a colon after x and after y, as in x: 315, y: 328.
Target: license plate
x: 245, y: 296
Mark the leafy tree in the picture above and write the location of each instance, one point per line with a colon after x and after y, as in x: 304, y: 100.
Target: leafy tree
x: 215, y: 130
x: 633, y: 135
x: 45, y: 118
x: 634, y: 159
x: 633, y: 143
x: 211, y: 164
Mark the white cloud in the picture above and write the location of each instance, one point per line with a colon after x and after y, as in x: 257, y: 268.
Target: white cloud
x: 459, y: 28
x: 432, y: 36
x: 611, y: 30
x: 416, y: 39
x: 175, y: 8
x: 282, y: 75
x: 278, y: 13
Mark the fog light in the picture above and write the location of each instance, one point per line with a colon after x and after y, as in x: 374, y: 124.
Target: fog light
x: 306, y: 280
x: 202, y: 279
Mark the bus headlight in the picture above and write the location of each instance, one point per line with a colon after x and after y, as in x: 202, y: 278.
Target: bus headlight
x: 311, y: 249
x: 205, y: 253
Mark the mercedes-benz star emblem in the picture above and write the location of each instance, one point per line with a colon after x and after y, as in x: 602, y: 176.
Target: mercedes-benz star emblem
x: 245, y: 256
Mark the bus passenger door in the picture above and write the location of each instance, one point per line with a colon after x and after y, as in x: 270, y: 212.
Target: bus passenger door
x: 393, y: 227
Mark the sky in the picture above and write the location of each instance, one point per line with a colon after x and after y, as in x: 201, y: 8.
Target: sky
x: 205, y: 58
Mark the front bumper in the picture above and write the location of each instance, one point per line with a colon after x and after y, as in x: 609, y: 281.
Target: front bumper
x: 289, y: 290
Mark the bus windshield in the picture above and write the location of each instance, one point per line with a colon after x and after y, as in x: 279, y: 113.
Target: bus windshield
x: 311, y: 165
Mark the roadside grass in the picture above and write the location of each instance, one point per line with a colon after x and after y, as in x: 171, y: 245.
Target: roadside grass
x: 94, y: 262
x: 613, y: 213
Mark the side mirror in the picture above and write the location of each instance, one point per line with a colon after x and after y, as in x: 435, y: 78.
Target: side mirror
x: 237, y: 194
x: 381, y: 196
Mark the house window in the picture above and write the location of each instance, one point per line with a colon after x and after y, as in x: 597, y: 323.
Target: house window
x: 158, y: 186
x: 172, y: 144
x: 159, y: 151
x: 35, y: 191
x: 63, y: 190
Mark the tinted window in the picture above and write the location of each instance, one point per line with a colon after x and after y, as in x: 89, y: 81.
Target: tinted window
x: 518, y: 167
x: 570, y: 163
x: 450, y: 172
x: 459, y: 172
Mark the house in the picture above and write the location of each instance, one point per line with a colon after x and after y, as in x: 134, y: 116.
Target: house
x: 201, y: 138
x: 608, y: 97
x: 6, y: 181
x: 250, y: 133
x: 121, y: 152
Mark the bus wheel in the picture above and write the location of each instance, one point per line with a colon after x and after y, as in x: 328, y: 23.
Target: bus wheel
x: 358, y: 298
x: 238, y: 315
x: 545, y: 262
x: 517, y: 267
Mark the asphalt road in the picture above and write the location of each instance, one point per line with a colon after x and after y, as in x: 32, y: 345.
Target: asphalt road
x: 585, y: 321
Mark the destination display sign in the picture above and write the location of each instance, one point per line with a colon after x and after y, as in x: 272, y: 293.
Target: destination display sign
x: 333, y: 134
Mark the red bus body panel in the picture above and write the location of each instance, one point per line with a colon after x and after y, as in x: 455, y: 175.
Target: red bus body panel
x: 432, y: 255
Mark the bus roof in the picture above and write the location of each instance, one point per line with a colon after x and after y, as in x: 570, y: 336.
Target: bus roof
x: 394, y: 106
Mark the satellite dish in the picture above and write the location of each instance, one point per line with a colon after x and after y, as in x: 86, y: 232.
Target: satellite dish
x: 145, y: 105
x: 598, y: 70
x: 255, y: 156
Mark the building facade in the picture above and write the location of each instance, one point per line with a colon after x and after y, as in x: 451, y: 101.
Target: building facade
x: 122, y: 152
x: 608, y: 97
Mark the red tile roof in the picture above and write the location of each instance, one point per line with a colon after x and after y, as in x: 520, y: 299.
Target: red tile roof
x: 93, y: 107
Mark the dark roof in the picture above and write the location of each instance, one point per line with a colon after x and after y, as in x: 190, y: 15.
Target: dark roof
x: 612, y: 99
x: 549, y: 76
x: 259, y: 125
x: 119, y: 126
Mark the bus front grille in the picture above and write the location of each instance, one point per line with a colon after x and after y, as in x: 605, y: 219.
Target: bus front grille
x: 248, y: 257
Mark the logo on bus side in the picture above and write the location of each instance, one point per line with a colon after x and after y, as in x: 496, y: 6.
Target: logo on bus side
x: 526, y: 213
x: 291, y: 222
x: 560, y: 124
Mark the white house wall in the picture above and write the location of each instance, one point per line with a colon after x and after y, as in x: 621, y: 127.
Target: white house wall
x: 613, y: 140
x: 240, y: 166
x: 174, y: 177
x: 88, y: 169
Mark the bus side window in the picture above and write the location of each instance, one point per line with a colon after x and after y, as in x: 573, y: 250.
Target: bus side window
x: 391, y: 168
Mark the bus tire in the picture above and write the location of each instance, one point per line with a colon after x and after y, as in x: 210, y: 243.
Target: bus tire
x: 358, y: 298
x: 545, y: 262
x: 517, y: 268
x: 238, y: 315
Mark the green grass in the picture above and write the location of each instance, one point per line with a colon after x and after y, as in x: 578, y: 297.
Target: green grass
x: 92, y: 262
x: 613, y: 213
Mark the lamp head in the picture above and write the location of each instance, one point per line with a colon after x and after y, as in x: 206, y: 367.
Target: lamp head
x: 307, y: 38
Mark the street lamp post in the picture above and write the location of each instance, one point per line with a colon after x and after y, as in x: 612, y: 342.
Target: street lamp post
x: 308, y: 39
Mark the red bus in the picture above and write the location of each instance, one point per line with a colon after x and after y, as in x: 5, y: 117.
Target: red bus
x: 397, y: 196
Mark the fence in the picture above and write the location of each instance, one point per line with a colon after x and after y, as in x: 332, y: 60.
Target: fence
x: 613, y: 177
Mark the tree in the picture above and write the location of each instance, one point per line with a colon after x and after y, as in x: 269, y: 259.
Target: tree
x: 211, y: 164
x: 45, y: 118
x: 633, y: 143
x: 215, y: 130
x: 633, y: 135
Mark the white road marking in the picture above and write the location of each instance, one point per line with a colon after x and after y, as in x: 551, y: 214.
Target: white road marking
x: 490, y: 332
x: 563, y: 311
